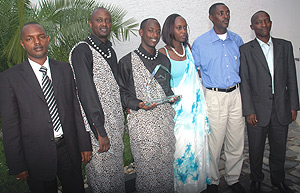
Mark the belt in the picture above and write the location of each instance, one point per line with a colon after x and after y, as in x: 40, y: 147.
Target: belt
x: 58, y: 139
x: 229, y: 89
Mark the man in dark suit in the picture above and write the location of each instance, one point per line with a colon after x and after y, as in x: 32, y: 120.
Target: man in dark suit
x: 43, y: 134
x: 270, y: 99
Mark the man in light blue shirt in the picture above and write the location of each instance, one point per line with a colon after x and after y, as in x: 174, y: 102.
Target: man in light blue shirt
x: 217, y: 54
x: 218, y: 59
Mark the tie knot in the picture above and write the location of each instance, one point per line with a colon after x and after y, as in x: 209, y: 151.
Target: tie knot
x: 43, y: 69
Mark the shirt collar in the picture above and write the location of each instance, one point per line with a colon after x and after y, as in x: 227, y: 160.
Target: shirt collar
x: 215, y: 37
x: 99, y: 42
x: 38, y: 66
x: 261, y: 43
x: 36, y: 69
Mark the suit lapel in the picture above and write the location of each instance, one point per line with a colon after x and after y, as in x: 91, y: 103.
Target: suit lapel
x: 55, y: 74
x: 30, y: 78
x: 256, y: 49
x: 277, y: 49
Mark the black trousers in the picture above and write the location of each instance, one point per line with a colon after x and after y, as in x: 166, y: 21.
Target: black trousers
x: 277, y: 136
x: 68, y: 173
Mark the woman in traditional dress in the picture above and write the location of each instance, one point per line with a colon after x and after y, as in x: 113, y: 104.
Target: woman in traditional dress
x: 191, y: 163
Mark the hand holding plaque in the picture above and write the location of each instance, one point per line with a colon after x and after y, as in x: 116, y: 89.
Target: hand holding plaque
x: 152, y: 100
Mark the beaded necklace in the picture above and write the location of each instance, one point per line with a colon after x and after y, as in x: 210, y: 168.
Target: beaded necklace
x: 180, y: 55
x: 147, y: 57
x: 99, y: 50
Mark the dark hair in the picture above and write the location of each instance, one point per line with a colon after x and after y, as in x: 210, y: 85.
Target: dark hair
x: 143, y: 23
x: 253, y: 16
x: 213, y: 8
x: 98, y: 8
x: 31, y: 23
x: 168, y: 30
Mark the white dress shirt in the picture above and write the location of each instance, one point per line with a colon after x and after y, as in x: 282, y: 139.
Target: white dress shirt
x: 39, y: 75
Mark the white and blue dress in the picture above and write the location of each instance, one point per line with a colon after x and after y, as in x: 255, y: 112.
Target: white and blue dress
x: 191, y: 163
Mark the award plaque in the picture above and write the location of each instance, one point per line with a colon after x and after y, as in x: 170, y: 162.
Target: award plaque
x: 158, y: 101
x: 162, y: 100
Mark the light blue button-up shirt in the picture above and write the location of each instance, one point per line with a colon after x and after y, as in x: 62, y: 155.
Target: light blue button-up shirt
x: 269, y: 55
x: 219, y: 60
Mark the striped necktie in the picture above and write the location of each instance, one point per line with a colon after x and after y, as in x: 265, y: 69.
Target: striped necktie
x: 50, y: 99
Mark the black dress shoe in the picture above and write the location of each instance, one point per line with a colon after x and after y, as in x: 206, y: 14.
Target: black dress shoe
x: 255, y: 187
x: 283, y: 187
x: 212, y: 188
x: 237, y: 188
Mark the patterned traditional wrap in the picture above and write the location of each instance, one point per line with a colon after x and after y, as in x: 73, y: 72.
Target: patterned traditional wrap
x: 191, y: 165
x: 105, y: 172
x: 151, y: 135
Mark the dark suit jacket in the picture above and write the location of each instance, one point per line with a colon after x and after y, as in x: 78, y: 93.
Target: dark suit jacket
x: 28, y: 136
x: 256, y: 89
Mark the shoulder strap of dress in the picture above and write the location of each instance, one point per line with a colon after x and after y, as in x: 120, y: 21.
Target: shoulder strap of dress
x: 167, y: 52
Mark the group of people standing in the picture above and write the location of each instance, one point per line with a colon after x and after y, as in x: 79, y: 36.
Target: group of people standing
x: 54, y: 119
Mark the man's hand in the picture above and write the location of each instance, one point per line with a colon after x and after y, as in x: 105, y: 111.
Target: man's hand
x: 142, y: 105
x: 127, y: 110
x: 104, y: 144
x: 86, y: 156
x: 22, y: 176
x: 251, y: 119
x: 294, y: 115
